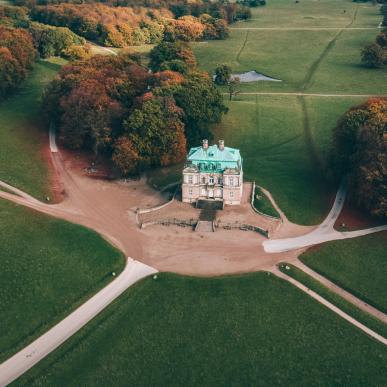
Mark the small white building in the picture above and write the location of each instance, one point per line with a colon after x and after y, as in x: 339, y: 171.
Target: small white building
x: 213, y: 173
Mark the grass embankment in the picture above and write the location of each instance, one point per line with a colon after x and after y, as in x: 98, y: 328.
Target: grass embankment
x: 363, y: 317
x: 233, y: 331
x: 262, y: 204
x: 48, y: 267
x: 358, y: 265
x: 22, y: 133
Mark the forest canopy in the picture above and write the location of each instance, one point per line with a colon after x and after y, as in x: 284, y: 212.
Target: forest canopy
x: 17, y: 54
x: 127, y: 26
x: 113, y: 106
x: 360, y: 154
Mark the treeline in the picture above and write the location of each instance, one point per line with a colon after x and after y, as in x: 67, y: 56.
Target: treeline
x: 374, y: 55
x: 360, y: 154
x: 17, y: 54
x: 114, y: 106
x: 22, y: 41
x: 126, y: 26
x: 224, y: 9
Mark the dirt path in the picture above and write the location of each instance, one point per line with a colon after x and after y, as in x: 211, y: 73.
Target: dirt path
x: 330, y: 306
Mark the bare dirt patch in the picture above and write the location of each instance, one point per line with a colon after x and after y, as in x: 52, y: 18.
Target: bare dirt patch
x: 110, y: 208
x: 352, y: 218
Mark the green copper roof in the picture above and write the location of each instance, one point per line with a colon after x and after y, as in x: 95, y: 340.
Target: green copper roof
x: 214, y: 159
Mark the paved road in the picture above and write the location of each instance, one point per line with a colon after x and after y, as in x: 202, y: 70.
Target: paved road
x: 22, y: 361
x: 330, y: 306
x: 325, y: 232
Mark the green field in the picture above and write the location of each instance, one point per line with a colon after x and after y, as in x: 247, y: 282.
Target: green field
x: 232, y: 331
x: 365, y: 318
x: 22, y: 133
x: 262, y: 204
x: 358, y: 265
x: 285, y: 152
x: 48, y: 267
x: 285, y: 139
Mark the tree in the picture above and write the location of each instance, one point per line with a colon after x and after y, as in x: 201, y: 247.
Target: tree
x: 17, y: 54
x: 381, y: 39
x: 360, y: 153
x: 171, y: 51
x: 153, y: 136
x: 10, y: 72
x: 233, y: 87
x: 202, y: 104
x: 373, y: 55
x: 222, y: 74
x: 88, y: 118
x: 76, y: 52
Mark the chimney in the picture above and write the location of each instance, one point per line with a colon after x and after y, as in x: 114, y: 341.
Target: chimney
x: 221, y: 144
x: 205, y: 144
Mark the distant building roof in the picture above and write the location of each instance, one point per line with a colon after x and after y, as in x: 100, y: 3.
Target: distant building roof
x: 214, y: 158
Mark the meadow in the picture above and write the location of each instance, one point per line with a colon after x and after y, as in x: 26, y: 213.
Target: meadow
x: 48, y: 267
x: 365, y: 318
x: 357, y: 265
x: 23, y: 133
x: 228, y: 331
x: 285, y: 139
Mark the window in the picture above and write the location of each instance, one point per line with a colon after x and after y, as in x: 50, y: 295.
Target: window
x: 220, y: 181
x: 190, y: 192
x: 190, y: 179
x: 231, y: 194
x: 203, y: 180
x: 231, y: 181
x: 211, y: 181
x: 203, y: 192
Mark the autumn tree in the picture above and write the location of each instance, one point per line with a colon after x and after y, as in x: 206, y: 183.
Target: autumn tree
x: 153, y: 136
x: 88, y: 117
x: 17, y: 54
x: 360, y: 154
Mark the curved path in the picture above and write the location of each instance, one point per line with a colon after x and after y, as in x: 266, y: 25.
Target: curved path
x: 52, y: 339
x: 325, y: 232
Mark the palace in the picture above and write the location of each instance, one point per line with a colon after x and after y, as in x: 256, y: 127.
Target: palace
x: 213, y: 173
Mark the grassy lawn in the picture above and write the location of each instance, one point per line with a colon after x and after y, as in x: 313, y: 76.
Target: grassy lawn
x: 343, y: 60
x: 310, y: 13
x: 262, y: 204
x: 48, y: 267
x: 278, y: 153
x: 232, y: 331
x: 283, y: 55
x: 358, y: 265
x: 22, y: 133
x: 363, y: 317
x: 319, y: 61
